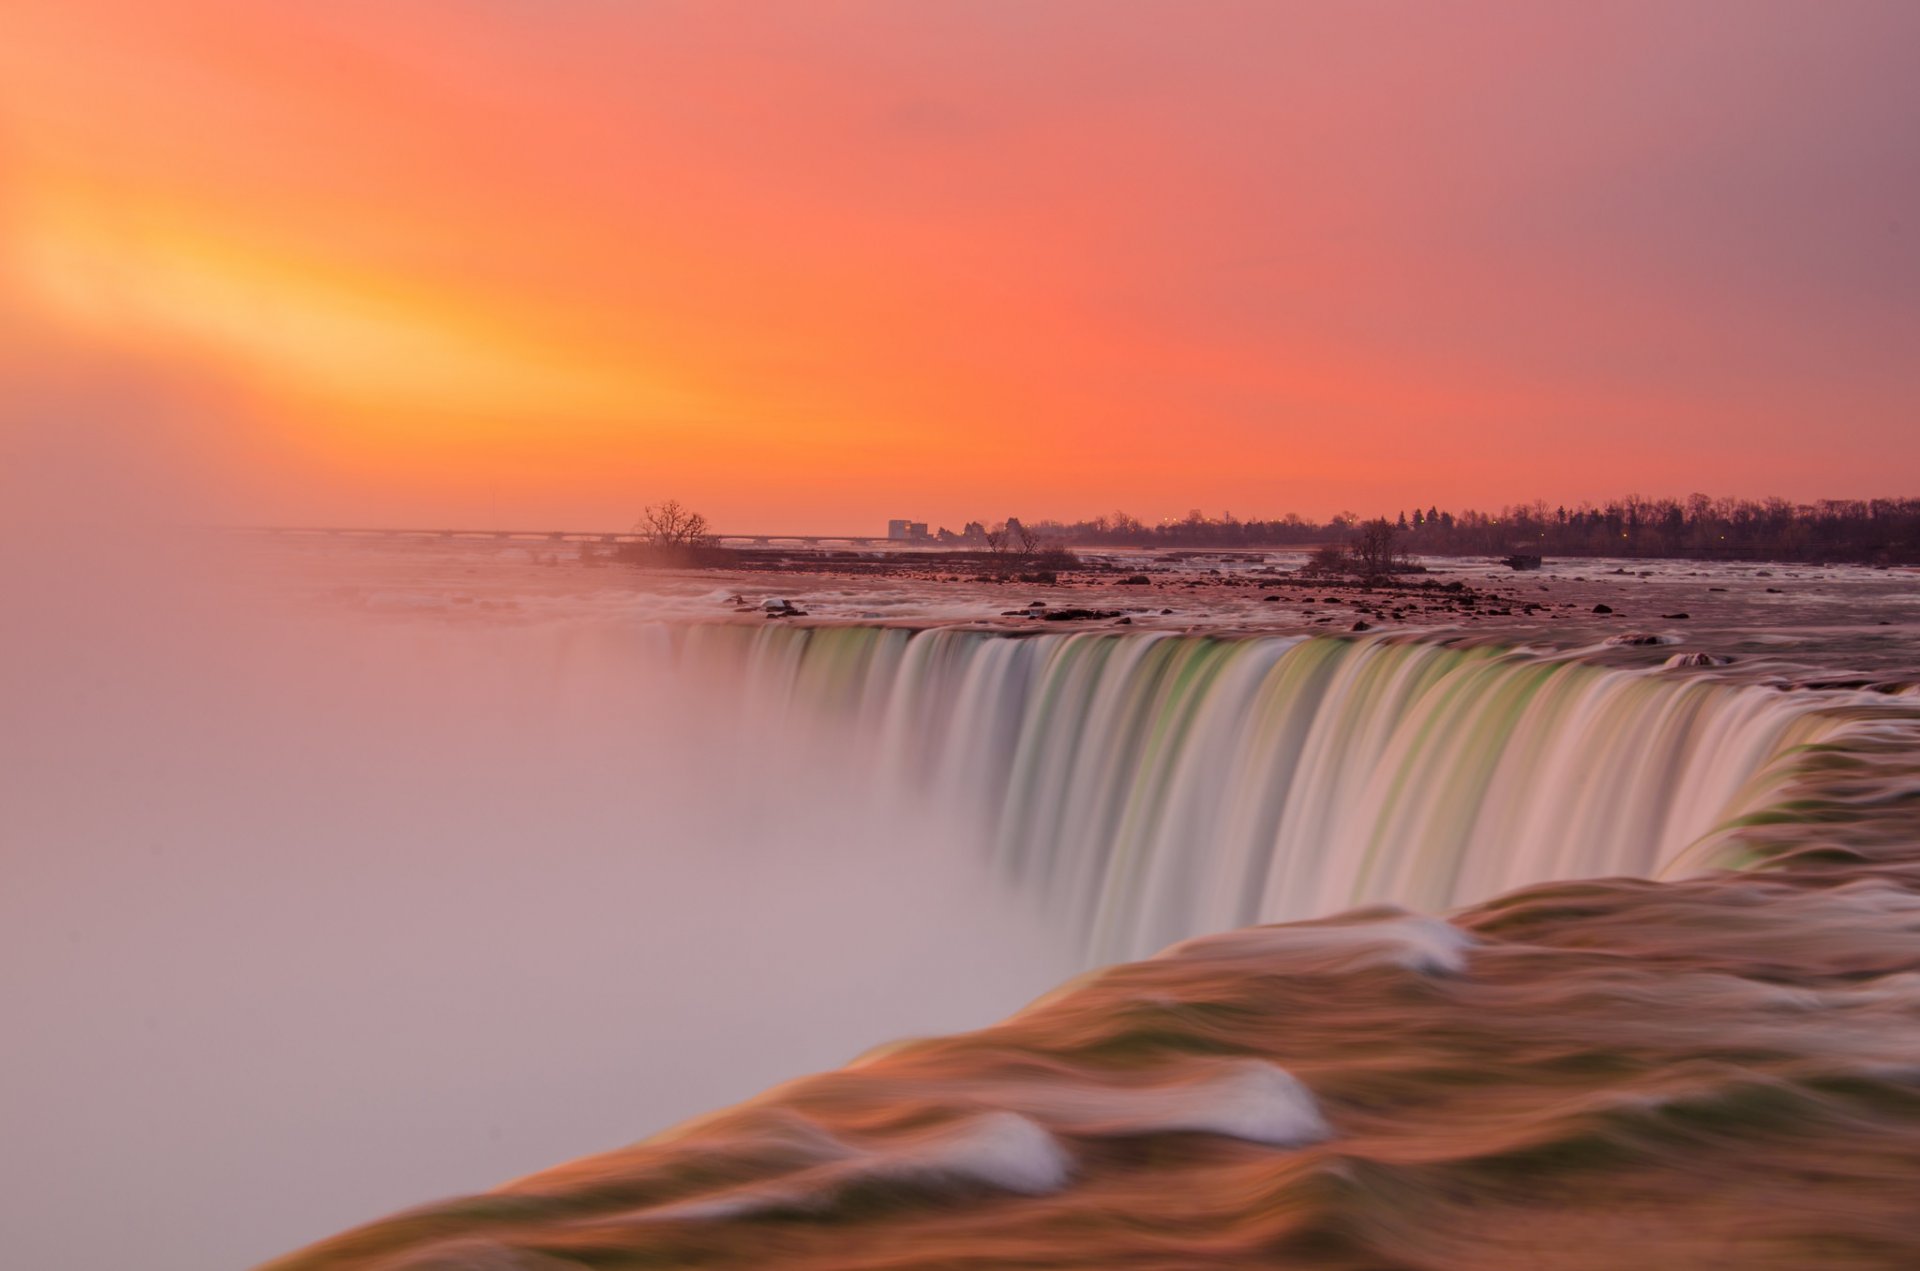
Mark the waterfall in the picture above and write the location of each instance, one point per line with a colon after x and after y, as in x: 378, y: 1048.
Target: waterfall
x: 1156, y: 786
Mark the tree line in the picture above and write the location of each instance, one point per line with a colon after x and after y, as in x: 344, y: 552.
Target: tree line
x: 1701, y: 527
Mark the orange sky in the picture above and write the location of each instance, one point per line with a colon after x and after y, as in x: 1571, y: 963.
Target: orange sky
x: 808, y: 266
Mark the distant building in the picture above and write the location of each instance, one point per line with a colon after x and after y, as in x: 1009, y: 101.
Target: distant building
x: 902, y: 531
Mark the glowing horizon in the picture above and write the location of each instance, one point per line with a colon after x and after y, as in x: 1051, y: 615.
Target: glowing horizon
x: 807, y: 270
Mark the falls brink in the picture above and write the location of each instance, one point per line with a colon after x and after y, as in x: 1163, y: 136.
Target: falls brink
x: 1152, y: 787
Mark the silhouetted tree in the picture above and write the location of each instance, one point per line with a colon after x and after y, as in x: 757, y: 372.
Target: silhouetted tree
x: 670, y: 524
x: 1374, y: 549
x: 1877, y: 530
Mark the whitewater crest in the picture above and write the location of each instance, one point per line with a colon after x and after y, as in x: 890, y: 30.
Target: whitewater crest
x: 1382, y: 936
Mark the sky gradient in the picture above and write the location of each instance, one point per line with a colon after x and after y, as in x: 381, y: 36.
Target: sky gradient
x: 539, y: 262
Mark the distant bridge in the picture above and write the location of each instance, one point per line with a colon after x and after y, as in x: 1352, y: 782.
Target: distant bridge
x: 569, y: 536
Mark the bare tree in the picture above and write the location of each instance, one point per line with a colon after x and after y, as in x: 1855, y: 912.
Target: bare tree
x: 1029, y: 539
x: 671, y: 525
x: 1374, y: 550
x: 997, y: 540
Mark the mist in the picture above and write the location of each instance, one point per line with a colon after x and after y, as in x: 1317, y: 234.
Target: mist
x: 314, y: 913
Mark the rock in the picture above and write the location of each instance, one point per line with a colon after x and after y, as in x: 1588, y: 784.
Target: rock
x: 1135, y: 580
x: 1080, y: 615
x: 1676, y: 617
x: 1361, y: 626
x: 1603, y: 608
x: 1697, y: 659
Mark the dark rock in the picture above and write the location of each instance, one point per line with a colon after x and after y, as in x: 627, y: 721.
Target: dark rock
x: 1697, y: 659
x: 1676, y: 617
x: 1135, y: 580
x: 1080, y: 615
x: 1603, y: 608
x: 1361, y: 626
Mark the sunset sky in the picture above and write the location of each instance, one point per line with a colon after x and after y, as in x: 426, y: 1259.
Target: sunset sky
x: 807, y: 266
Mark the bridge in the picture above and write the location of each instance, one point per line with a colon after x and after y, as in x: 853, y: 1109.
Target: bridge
x: 564, y: 536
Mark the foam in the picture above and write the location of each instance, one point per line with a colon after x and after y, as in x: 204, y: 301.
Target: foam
x: 998, y: 1149
x: 1247, y: 1099
x: 1382, y: 936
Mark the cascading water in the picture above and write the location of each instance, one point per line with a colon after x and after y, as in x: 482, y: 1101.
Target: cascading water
x: 1538, y: 1080
x: 1157, y: 786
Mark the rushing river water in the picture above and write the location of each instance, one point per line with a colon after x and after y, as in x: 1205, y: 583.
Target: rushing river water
x: 335, y: 915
